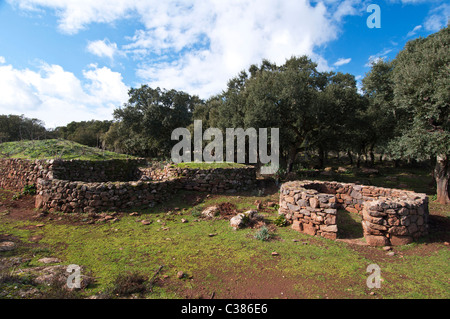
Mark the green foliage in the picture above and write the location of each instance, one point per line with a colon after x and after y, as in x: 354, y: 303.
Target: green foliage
x: 27, y: 190
x: 88, y: 133
x: 146, y: 122
x: 196, y: 212
x: 16, y: 128
x: 421, y: 90
x: 263, y: 234
x: 280, y: 221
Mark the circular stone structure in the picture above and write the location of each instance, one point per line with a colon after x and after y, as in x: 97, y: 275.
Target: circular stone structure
x: 389, y: 216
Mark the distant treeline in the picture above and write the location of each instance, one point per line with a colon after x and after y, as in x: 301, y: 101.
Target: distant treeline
x: 18, y: 127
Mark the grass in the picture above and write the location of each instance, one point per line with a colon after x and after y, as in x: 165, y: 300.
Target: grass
x: 55, y: 149
x: 195, y: 165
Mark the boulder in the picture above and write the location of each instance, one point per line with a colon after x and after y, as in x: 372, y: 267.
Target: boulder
x: 401, y: 240
x: 7, y: 246
x: 376, y: 240
x: 211, y: 212
x: 248, y: 218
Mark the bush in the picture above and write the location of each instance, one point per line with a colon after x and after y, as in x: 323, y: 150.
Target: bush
x: 127, y: 284
x: 280, y: 221
x: 29, y: 190
x: 262, y: 234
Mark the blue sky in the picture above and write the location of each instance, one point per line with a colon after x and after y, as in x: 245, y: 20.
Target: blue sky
x: 65, y: 60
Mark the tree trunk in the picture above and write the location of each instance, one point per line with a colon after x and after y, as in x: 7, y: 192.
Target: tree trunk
x: 350, y: 157
x: 442, y: 175
x: 372, y: 158
x: 321, y: 158
x: 291, y: 159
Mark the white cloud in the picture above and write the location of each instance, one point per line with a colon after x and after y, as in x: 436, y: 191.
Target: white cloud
x: 197, y: 46
x: 414, y: 31
x: 342, y: 61
x: 102, y: 48
x: 437, y: 18
x: 231, y: 36
x: 2, y: 60
x: 57, y: 96
x: 377, y: 57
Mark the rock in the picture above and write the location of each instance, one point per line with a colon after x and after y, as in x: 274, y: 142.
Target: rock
x: 270, y: 204
x: 212, y: 235
x: 7, y: 246
x: 274, y: 253
x: 391, y: 253
x: 183, y: 220
x: 241, y: 220
x: 387, y: 248
x: 236, y: 222
x: 376, y: 240
x: 211, y: 212
x: 49, y: 260
x: 342, y: 170
x: 401, y: 240
x: 329, y: 228
x: 47, y: 275
x: 134, y: 214
x: 145, y: 222
x: 180, y: 275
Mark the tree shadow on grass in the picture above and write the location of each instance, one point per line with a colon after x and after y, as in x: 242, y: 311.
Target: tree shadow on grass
x: 349, y: 225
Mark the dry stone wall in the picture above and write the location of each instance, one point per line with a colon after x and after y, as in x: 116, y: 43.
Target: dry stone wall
x: 97, y: 171
x: 211, y: 180
x: 389, y: 216
x: 81, y: 197
x: 15, y: 174
x: 93, y: 186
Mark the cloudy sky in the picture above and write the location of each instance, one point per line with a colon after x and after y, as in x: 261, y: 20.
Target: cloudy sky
x: 74, y: 60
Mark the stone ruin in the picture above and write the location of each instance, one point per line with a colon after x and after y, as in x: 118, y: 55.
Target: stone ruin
x: 389, y: 216
x: 77, y: 186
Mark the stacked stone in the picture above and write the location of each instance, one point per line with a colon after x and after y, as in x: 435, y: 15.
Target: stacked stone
x: 15, y: 174
x: 97, y: 171
x: 219, y: 179
x: 309, y: 211
x: 390, y: 216
x: 81, y: 197
x: 215, y: 180
x: 395, y: 222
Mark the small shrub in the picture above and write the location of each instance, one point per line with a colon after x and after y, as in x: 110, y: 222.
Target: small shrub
x: 29, y: 190
x: 263, y: 234
x: 130, y: 283
x: 196, y: 212
x: 280, y: 221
